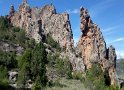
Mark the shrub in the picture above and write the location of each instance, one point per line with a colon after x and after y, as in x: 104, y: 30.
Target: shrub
x: 52, y: 42
x: 78, y: 76
x: 62, y: 66
x: 4, y: 23
x: 3, y: 77
x: 95, y: 78
x: 24, y: 68
x: 38, y: 64
x: 8, y: 59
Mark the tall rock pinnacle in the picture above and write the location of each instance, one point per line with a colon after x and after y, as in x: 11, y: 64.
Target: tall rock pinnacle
x: 93, y: 47
x: 91, y: 42
x: 24, y: 2
x: 42, y: 21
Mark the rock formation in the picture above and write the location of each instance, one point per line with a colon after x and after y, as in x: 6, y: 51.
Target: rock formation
x: 91, y: 48
x: 38, y: 22
x: 42, y: 21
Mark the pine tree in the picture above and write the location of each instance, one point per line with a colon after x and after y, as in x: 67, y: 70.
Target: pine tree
x: 38, y: 64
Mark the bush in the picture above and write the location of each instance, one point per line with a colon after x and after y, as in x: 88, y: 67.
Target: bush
x: 10, y: 33
x: 52, y: 42
x: 8, y: 59
x: 3, y: 77
x: 32, y: 65
x: 78, y: 76
x: 4, y: 23
x: 95, y: 78
x: 62, y: 66
x: 24, y: 68
x: 38, y: 63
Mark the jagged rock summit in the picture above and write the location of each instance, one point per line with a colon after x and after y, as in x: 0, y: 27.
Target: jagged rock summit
x: 91, y: 48
x: 42, y: 21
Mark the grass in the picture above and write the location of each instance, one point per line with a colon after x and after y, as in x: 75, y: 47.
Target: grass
x: 68, y: 84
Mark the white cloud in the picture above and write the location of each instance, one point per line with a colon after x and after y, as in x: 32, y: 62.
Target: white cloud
x: 110, y: 29
x: 119, y: 39
x: 116, y: 40
x: 100, y: 7
x: 120, y: 54
x: 74, y: 11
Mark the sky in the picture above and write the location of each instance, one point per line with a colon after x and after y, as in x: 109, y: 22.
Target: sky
x: 107, y: 14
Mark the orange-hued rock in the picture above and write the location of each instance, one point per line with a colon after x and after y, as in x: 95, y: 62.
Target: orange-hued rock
x: 93, y: 46
x: 38, y: 22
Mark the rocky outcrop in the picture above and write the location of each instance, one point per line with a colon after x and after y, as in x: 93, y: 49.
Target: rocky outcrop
x: 10, y: 47
x: 13, y: 76
x: 42, y: 21
x: 26, y: 19
x: 39, y: 22
x: 112, y: 64
x: 92, y: 46
x: 91, y: 43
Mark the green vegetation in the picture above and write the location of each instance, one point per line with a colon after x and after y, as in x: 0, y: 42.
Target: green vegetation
x: 32, y: 65
x: 7, y: 59
x: 3, y: 77
x: 67, y: 84
x: 95, y: 79
x: 49, y: 40
x: 62, y: 66
x: 120, y: 71
x: 24, y: 68
x: 122, y: 65
x: 10, y: 33
x: 78, y: 76
x: 38, y: 64
x: 4, y: 23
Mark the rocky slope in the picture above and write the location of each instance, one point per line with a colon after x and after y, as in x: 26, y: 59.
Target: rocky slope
x: 91, y: 48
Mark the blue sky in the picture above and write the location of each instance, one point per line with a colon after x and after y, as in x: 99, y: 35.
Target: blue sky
x: 107, y: 14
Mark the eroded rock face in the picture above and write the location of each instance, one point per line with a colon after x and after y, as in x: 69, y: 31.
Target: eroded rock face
x: 42, y: 21
x: 26, y: 19
x: 93, y: 47
x: 112, y: 64
x: 7, y: 47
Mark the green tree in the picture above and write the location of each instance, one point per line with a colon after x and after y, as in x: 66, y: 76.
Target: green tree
x: 30, y: 43
x: 95, y: 78
x: 38, y: 64
x: 52, y: 42
x: 62, y: 66
x: 24, y: 68
x: 4, y: 23
x: 20, y: 36
x: 3, y: 77
x: 8, y: 59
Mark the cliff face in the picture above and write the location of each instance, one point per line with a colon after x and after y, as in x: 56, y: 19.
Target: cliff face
x: 91, y: 43
x: 42, y: 21
x: 91, y: 48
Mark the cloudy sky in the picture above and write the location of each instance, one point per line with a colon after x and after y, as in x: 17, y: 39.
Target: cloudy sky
x: 108, y: 14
